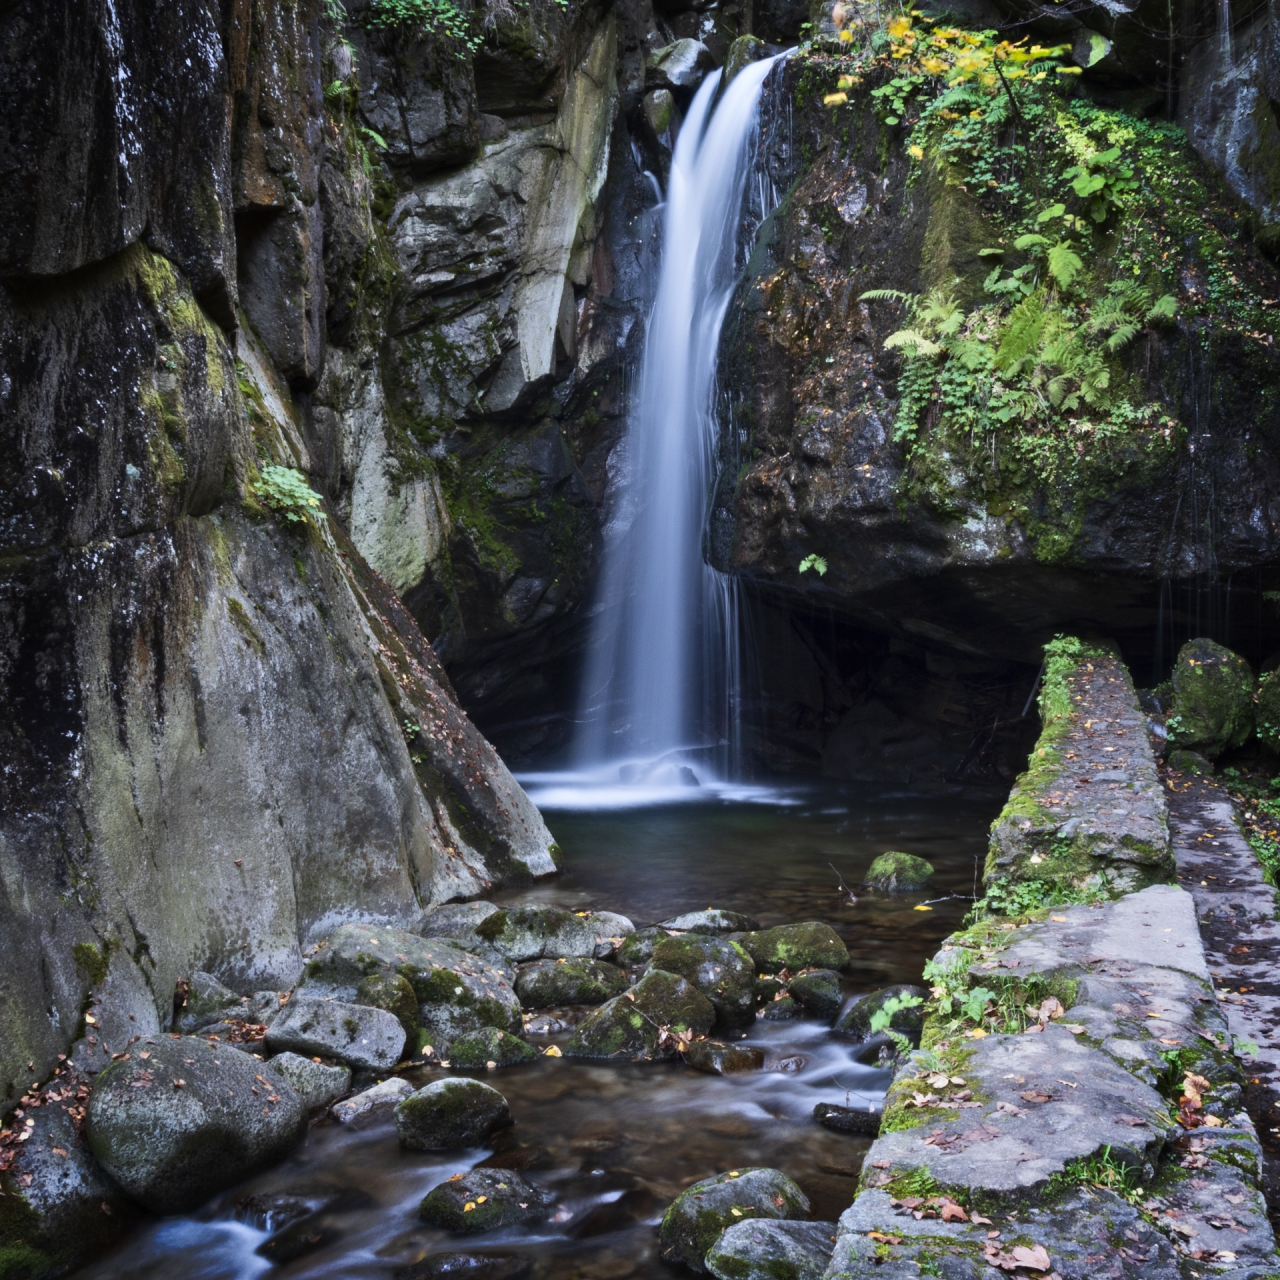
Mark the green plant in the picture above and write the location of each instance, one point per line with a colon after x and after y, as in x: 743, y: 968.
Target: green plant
x: 1104, y: 1171
x: 883, y: 1017
x: 1101, y: 180
x: 286, y: 492
x: 816, y: 563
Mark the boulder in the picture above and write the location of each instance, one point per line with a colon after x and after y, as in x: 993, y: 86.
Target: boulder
x: 855, y: 1023
x: 680, y: 65
x: 763, y: 1250
x: 637, y: 948
x: 456, y: 990
x: 356, y: 1034
x: 1267, y: 711
x: 712, y: 920
x: 696, y: 1218
x: 742, y: 53
x: 189, y: 1119
x: 458, y: 922
x: 783, y: 1009
x: 369, y: 1106
x: 857, y: 1120
x: 207, y: 1002
x: 448, y: 1115
x: 1183, y: 761
x: 720, y: 969
x: 489, y: 1047
x: 818, y: 993
x: 317, y: 1085
x: 484, y: 1200
x: 549, y: 933
x: 894, y: 871
x: 812, y: 945
x: 393, y: 993
x: 717, y: 1058
x: 630, y: 1025
x: 1212, y: 706
x: 547, y: 983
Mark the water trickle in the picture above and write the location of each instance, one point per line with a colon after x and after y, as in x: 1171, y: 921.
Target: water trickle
x: 660, y: 698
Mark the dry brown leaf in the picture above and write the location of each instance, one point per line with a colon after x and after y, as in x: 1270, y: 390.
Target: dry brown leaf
x: 953, y: 1213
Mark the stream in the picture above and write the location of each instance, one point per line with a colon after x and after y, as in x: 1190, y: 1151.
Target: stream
x: 616, y: 1142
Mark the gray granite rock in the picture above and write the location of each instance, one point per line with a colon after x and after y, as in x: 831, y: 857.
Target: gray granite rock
x: 760, y: 1249
x: 373, y: 1104
x: 448, y: 1115
x: 497, y: 1198
x: 317, y: 1085
x: 358, y: 1035
x: 712, y: 920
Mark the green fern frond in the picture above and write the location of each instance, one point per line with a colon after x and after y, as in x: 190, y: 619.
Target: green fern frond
x: 913, y: 338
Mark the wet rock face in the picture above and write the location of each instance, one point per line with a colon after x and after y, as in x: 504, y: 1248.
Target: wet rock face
x: 316, y: 1084
x: 355, y: 1034
x: 189, y: 1120
x: 1212, y: 705
x: 818, y: 992
x: 695, y: 1220
x: 489, y: 1047
x: 632, y: 1025
x: 484, y: 1200
x: 534, y: 933
x: 721, y: 970
x: 450, y: 1114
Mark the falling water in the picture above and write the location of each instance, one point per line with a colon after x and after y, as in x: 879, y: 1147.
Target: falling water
x: 661, y: 686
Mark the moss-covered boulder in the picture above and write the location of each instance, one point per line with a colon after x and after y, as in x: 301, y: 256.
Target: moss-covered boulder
x: 720, y: 969
x: 907, y: 1020
x: 637, y: 948
x: 894, y: 872
x: 812, y: 945
x: 1183, y: 761
x: 456, y: 990
x: 717, y: 1058
x: 448, y: 1115
x: 545, y: 984
x: 489, y: 1047
x: 1212, y: 707
x: 712, y: 920
x: 1267, y: 711
x: 696, y: 1218
x: 393, y: 993
x: 188, y: 1120
x: 484, y: 1200
x: 548, y: 933
x: 632, y: 1025
x: 772, y: 1251
x: 783, y: 1009
x: 862, y: 1121
x: 818, y: 993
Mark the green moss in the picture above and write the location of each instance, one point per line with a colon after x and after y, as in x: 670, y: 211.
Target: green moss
x: 1212, y: 708
x: 91, y: 963
x: 240, y: 617
x: 894, y: 870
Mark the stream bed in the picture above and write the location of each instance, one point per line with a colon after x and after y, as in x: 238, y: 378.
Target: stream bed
x: 616, y: 1142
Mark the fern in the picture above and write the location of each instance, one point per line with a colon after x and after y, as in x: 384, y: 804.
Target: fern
x: 913, y: 339
x: 1165, y: 308
x: 1026, y: 322
x: 1065, y: 264
x: 889, y: 295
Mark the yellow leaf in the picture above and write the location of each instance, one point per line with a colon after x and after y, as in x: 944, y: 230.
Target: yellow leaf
x: 553, y: 1051
x: 1060, y: 919
x: 481, y: 1199
x: 846, y: 37
x: 834, y: 99
x: 976, y: 1034
x: 1213, y: 1122
x: 466, y: 1208
x: 737, y: 1213
x: 921, y: 907
x: 899, y: 26
x: 915, y: 152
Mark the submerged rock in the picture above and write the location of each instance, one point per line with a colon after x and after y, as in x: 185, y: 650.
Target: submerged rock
x: 855, y: 1023
x: 356, y: 1034
x: 720, y: 969
x: 712, y: 920
x: 484, y: 1200
x: 368, y: 1107
x: 1212, y: 707
x: 547, y: 983
x: 863, y: 1122
x: 818, y: 993
x: 722, y: 1059
x: 448, y: 1115
x: 698, y: 1215
x: 490, y: 1047
x: 316, y: 1084
x: 812, y: 945
x: 549, y: 933
x: 188, y: 1120
x: 764, y: 1250
x: 631, y: 1025
x: 895, y: 871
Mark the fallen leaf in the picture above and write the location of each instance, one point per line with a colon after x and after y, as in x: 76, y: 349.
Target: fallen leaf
x: 467, y: 1208
x: 976, y: 1033
x: 552, y: 1051
x: 882, y: 1238
x: 1132, y: 1121
x: 1035, y: 1095
x: 1059, y: 919
x: 979, y: 1221
x: 1213, y: 1122
x: 920, y: 906
x: 1074, y: 1027
x: 952, y: 1212
x: 1010, y: 1109
x: 882, y: 1164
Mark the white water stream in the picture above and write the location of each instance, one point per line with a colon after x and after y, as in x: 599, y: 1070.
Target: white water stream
x: 660, y: 703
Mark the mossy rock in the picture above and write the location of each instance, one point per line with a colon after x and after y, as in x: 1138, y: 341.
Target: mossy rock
x: 393, y: 993
x: 812, y: 945
x: 894, y: 872
x: 448, y: 1115
x: 772, y: 1251
x: 696, y: 1218
x: 720, y: 969
x: 637, y: 948
x: 1267, y: 711
x: 544, y: 984
x: 783, y: 1009
x: 1212, y: 707
x: 856, y: 1023
x: 629, y: 1025
x: 1189, y: 761
x: 712, y: 920
x: 484, y: 1200
x: 489, y: 1047
x: 550, y: 933
x: 818, y: 993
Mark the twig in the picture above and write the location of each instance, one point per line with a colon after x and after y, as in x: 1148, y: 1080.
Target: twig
x: 853, y: 897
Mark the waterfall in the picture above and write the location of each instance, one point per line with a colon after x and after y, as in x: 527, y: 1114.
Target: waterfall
x: 660, y: 691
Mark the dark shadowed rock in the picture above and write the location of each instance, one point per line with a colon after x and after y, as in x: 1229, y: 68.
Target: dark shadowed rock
x: 720, y: 969
x: 207, y: 1002
x: 723, y: 1059
x: 818, y: 992
x: 547, y: 983
x: 1212, y: 707
x: 783, y: 1009
x: 508, y: 1201
x: 855, y: 1023
x: 697, y: 1216
x: 857, y: 1120
x: 394, y: 993
x: 765, y: 1250
x: 188, y: 1120
x: 467, y: 1266
x: 631, y: 1025
x: 447, y: 1115
x: 637, y: 948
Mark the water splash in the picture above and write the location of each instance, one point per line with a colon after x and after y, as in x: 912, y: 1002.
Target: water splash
x: 663, y: 675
